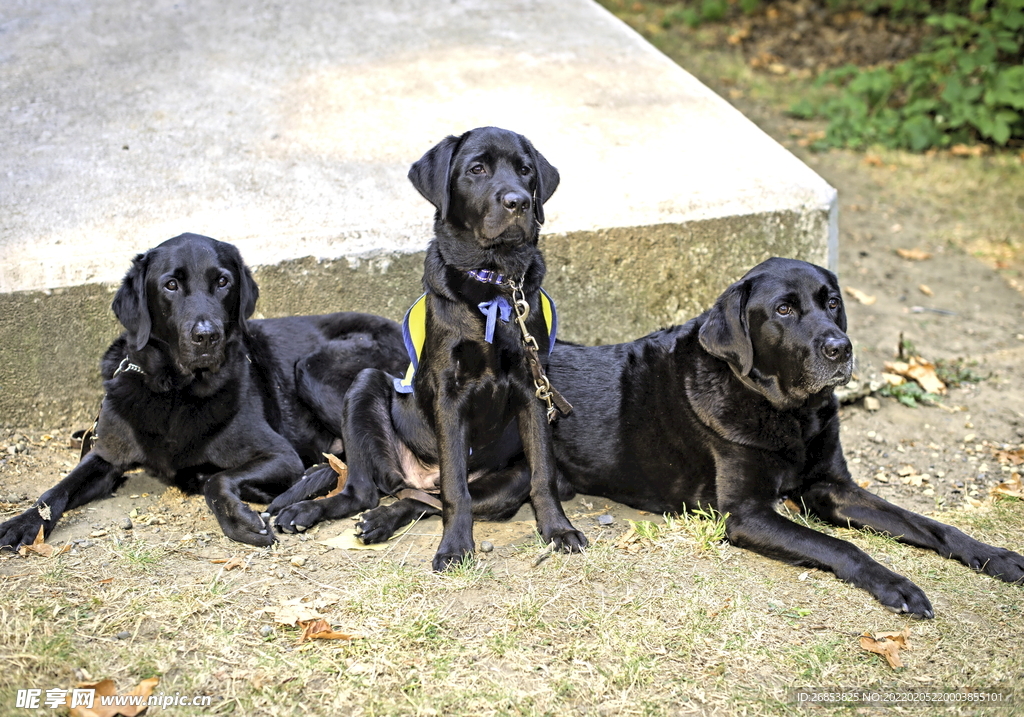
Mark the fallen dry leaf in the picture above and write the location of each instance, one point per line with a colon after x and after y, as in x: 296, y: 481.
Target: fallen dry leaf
x: 963, y: 150
x: 349, y: 540
x: 1011, y: 487
x: 297, y: 611
x: 914, y: 254
x: 1009, y: 458
x: 106, y: 688
x: 873, y: 160
x: 860, y: 296
x: 229, y: 563
x: 888, y: 644
x: 320, y: 629
x: 341, y: 469
x: 41, y: 548
x: 919, y: 370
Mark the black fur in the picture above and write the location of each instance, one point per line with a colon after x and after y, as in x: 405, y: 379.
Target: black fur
x: 473, y: 416
x: 735, y: 411
x: 216, y: 407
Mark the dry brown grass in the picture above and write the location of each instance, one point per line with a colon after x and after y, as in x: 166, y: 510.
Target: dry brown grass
x: 642, y: 625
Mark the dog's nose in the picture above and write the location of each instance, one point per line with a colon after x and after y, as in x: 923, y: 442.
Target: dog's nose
x: 837, y: 349
x: 515, y: 202
x: 205, y: 333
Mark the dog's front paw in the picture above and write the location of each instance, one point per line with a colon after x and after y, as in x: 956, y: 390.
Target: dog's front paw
x: 567, y: 541
x: 445, y: 561
x: 898, y: 594
x: 1000, y: 563
x: 299, y: 517
x: 20, y: 530
x: 377, y: 525
x: 246, y: 526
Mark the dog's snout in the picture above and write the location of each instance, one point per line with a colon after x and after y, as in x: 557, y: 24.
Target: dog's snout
x: 205, y: 333
x: 515, y: 201
x: 837, y: 348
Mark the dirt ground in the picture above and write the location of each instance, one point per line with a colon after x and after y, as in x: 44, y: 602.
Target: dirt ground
x: 964, y: 301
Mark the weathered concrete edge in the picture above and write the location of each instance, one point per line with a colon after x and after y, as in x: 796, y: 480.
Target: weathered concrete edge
x: 610, y: 285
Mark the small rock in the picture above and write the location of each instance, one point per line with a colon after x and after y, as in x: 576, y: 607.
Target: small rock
x: 486, y: 546
x: 126, y: 524
x: 969, y: 438
x: 97, y: 533
x: 298, y: 561
x: 267, y: 631
x: 123, y: 635
x: 605, y: 519
x: 871, y: 403
x: 83, y: 544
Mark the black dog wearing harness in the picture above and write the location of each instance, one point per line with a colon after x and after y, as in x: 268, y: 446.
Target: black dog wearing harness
x: 209, y: 400
x: 476, y: 424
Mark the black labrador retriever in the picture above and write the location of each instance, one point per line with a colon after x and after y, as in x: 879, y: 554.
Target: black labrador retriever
x: 735, y: 411
x: 472, y: 424
x: 207, y: 399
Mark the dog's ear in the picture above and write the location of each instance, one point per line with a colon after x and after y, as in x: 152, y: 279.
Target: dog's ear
x: 431, y: 174
x: 725, y: 333
x: 547, y: 180
x: 130, y: 305
x: 248, y: 289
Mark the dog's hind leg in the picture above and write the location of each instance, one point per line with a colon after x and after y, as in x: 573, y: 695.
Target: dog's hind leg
x: 318, y: 480
x: 370, y: 453
x: 93, y: 478
x: 496, y: 496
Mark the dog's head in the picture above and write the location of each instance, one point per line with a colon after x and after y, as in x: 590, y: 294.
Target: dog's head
x: 488, y: 181
x: 782, y: 327
x: 191, y: 295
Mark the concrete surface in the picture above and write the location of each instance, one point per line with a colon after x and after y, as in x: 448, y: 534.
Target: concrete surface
x: 288, y: 128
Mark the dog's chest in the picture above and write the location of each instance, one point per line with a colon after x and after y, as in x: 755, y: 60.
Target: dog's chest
x: 173, y: 429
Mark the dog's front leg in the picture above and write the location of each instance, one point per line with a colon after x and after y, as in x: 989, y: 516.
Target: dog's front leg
x: 457, y: 504
x: 93, y: 478
x: 226, y: 491
x: 844, y: 503
x: 747, y: 491
x: 552, y: 524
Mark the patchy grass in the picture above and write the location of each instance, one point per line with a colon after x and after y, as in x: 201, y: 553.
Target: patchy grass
x: 662, y: 625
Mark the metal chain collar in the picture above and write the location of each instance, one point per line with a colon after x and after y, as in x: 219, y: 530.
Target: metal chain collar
x: 552, y: 399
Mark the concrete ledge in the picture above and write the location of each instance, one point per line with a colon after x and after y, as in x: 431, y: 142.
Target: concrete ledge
x: 288, y: 130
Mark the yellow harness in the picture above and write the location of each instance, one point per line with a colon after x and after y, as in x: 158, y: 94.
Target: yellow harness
x: 414, y: 329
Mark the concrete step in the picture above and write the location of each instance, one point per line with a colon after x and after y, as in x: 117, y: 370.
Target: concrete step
x: 288, y: 128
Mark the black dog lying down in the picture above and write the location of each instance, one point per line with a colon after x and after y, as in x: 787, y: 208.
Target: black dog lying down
x: 210, y: 401
x: 474, y: 423
x: 735, y: 411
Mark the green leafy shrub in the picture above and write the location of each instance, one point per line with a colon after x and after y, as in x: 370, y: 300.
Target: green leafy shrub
x: 965, y: 85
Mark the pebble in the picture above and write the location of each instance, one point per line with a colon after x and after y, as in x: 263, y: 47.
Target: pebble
x: 486, y: 546
x: 298, y: 561
x: 123, y: 635
x: 126, y: 524
x: 266, y: 630
x: 605, y: 519
x: 871, y: 403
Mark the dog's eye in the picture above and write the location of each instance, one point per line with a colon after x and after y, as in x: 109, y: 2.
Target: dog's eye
x: 833, y: 303
x: 222, y: 282
x: 784, y: 310
x: 171, y: 285
x: 477, y: 169
x: 524, y: 170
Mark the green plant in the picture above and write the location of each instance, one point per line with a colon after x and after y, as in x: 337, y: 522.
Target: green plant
x: 965, y: 85
x: 909, y: 394
x: 957, y: 371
